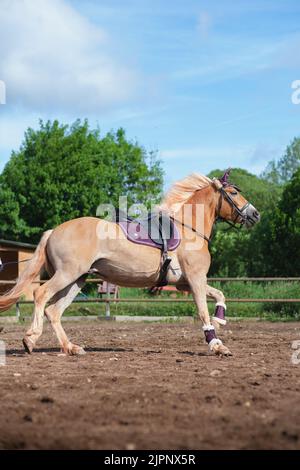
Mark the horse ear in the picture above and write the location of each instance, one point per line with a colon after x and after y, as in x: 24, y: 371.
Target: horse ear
x: 224, y: 178
x: 217, y: 183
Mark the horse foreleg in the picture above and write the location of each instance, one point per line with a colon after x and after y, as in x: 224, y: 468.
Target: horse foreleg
x: 220, y: 309
x: 198, y: 287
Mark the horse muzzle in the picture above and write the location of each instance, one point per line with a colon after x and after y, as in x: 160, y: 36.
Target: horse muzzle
x: 250, y: 216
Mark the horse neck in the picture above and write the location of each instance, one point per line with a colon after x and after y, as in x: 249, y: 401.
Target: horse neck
x: 207, y: 198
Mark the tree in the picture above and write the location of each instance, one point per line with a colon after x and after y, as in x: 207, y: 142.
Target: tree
x: 63, y: 172
x: 281, y: 172
x: 279, y: 236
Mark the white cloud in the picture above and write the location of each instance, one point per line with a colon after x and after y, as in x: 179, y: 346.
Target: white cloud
x: 229, y: 56
x: 12, y: 129
x: 204, y: 24
x: 254, y: 158
x: 264, y: 152
x: 51, y: 57
x: 220, y: 64
x: 208, y: 152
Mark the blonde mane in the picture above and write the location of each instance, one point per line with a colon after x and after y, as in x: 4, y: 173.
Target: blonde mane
x: 181, y: 191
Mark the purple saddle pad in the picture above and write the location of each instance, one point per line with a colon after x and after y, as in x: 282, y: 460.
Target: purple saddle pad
x: 150, y: 233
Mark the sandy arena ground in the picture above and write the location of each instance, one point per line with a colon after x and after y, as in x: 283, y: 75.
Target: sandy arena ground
x: 152, y: 386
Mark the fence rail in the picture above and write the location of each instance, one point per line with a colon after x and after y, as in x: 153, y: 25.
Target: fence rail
x: 108, y: 300
x: 169, y: 300
x: 209, y: 279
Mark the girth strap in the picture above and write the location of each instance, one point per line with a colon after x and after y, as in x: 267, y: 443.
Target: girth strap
x: 165, y: 259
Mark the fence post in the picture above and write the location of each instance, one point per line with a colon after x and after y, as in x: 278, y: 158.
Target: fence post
x: 18, y: 311
x: 107, y: 306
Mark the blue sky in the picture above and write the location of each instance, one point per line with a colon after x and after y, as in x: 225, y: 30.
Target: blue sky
x: 206, y: 83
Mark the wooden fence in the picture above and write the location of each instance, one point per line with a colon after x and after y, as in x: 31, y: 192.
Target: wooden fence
x: 108, y: 300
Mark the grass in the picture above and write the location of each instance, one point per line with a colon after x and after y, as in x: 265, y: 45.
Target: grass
x: 266, y: 311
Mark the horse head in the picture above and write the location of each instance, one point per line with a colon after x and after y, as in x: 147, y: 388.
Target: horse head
x: 232, y: 206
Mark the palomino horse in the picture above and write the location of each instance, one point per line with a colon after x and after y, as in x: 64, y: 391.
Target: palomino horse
x: 74, y: 248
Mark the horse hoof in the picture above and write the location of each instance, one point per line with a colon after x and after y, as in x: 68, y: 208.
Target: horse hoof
x: 227, y: 353
x: 76, y: 350
x: 28, y: 345
x: 223, y: 351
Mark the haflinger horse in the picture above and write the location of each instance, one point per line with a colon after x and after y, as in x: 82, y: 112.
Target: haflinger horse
x: 73, y: 249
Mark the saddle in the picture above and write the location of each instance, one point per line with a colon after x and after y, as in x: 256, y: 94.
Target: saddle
x: 156, y: 230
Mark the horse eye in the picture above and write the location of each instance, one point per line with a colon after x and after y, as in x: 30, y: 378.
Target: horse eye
x: 233, y: 193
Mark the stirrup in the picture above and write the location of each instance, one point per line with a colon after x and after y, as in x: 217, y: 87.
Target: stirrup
x: 162, y: 281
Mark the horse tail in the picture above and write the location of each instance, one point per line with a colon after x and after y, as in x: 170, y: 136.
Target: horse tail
x: 28, y: 275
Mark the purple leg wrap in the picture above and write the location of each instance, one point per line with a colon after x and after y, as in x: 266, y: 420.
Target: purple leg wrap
x: 209, y: 335
x: 220, y: 312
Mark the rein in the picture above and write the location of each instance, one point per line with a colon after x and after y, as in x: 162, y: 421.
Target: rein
x: 193, y: 229
x: 2, y: 265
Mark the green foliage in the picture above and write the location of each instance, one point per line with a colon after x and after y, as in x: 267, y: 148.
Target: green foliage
x: 11, y: 223
x: 281, y: 172
x: 278, y: 238
x: 228, y: 252
x: 63, y: 172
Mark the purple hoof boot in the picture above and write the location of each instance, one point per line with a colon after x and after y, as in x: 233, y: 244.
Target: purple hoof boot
x: 220, y: 313
x: 210, y: 336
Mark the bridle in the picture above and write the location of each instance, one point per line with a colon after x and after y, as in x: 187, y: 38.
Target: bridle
x: 240, y: 212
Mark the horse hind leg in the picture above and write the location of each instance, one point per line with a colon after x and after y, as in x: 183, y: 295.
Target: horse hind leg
x: 56, y: 308
x: 41, y: 296
x: 36, y: 328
